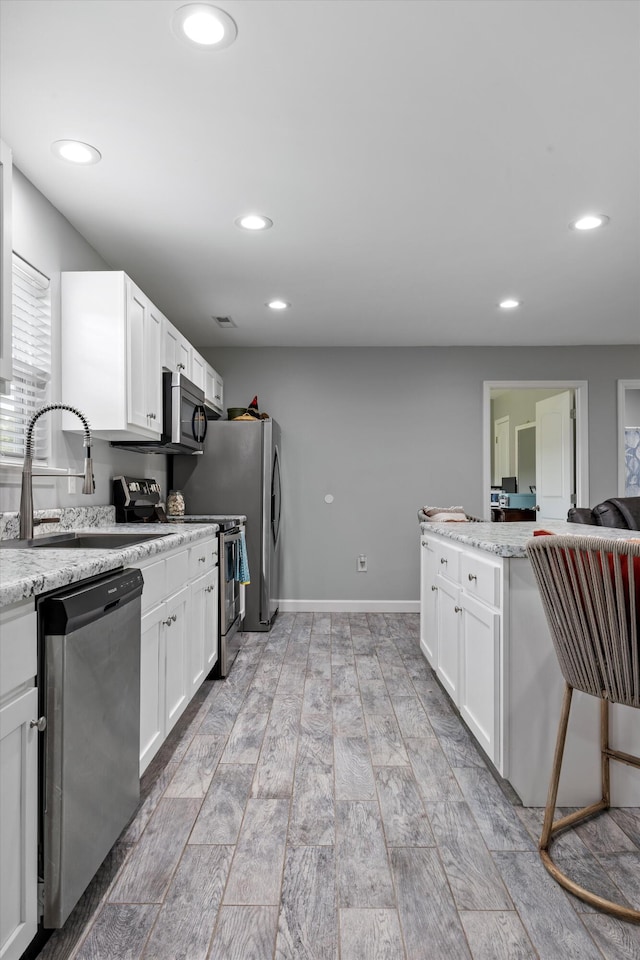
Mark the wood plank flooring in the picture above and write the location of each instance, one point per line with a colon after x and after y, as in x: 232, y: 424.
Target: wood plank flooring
x: 325, y: 802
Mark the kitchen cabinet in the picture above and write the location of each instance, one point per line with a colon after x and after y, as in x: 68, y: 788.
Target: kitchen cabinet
x: 176, y: 350
x: 203, y: 631
x: 460, y: 634
x: 204, y: 635
x: 111, y: 355
x: 428, y: 600
x: 197, y: 369
x: 179, y: 637
x: 176, y: 678
x: 164, y: 655
x: 18, y: 779
x: 213, y: 388
x: 508, y: 686
x: 6, y: 250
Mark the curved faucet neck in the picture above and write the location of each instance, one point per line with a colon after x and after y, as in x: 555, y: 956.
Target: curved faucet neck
x: 26, y: 490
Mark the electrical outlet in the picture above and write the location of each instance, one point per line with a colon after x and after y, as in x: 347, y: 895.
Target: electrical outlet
x: 72, y: 488
x: 361, y: 563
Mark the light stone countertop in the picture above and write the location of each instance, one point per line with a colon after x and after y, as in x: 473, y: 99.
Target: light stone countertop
x: 510, y: 539
x: 32, y: 571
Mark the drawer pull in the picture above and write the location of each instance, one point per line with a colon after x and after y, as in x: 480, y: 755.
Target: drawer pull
x: 209, y: 589
x: 433, y: 586
x: 202, y: 559
x: 443, y: 560
x: 170, y: 620
x: 472, y: 576
x: 458, y: 609
x: 40, y: 724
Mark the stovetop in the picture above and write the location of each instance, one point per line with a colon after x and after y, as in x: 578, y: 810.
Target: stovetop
x: 223, y: 520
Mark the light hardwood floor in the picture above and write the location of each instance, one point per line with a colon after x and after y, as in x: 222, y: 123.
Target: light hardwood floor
x: 325, y: 802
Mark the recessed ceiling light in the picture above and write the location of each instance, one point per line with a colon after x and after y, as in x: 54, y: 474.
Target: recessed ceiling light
x: 254, y: 221
x: 205, y: 25
x: 278, y: 304
x: 76, y: 152
x: 509, y: 303
x: 589, y: 222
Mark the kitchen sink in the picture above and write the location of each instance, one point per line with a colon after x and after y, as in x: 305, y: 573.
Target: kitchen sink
x: 82, y: 541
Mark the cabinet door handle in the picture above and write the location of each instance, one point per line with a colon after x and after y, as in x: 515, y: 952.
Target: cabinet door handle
x: 472, y: 576
x: 443, y: 560
x: 202, y: 559
x: 151, y: 416
x: 170, y: 620
x: 458, y: 609
x: 433, y: 586
x: 40, y: 724
x: 209, y: 589
x: 180, y: 366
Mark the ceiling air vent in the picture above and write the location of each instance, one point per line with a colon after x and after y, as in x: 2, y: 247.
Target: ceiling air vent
x: 224, y: 322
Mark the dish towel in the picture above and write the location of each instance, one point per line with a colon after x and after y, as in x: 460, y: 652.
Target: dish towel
x: 242, y: 562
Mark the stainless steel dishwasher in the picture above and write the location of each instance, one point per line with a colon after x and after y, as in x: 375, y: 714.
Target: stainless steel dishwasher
x: 89, y: 679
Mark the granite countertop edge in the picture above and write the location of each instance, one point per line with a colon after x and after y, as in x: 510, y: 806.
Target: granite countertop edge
x: 509, y: 540
x: 27, y: 573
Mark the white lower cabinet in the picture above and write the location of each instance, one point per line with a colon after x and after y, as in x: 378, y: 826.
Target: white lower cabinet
x: 448, y: 636
x: 179, y: 642
x: 176, y: 679
x: 484, y: 632
x: 164, y: 687
x: 152, y: 670
x: 428, y: 601
x: 18, y: 780
x: 204, y: 628
x: 461, y: 633
x: 479, y: 698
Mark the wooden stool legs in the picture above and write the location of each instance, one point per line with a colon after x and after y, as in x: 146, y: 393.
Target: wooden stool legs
x: 550, y: 827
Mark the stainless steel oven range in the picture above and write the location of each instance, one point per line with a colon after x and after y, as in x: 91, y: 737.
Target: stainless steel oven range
x: 228, y: 545
x: 230, y: 530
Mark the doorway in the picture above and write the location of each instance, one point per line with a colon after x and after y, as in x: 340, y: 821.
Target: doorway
x: 629, y: 438
x: 573, y: 442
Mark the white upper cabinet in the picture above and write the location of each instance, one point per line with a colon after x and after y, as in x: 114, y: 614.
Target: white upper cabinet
x: 213, y: 388
x: 111, y: 356
x: 176, y: 350
x: 5, y: 266
x: 197, y: 369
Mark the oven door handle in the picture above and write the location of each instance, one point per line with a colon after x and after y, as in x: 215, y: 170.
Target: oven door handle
x: 229, y: 538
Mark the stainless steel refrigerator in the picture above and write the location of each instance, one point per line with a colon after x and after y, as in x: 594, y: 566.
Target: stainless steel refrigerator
x: 239, y: 473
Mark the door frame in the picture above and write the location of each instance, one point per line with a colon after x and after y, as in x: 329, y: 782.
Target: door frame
x: 521, y: 426
x: 502, y: 420
x: 623, y: 386
x: 580, y: 388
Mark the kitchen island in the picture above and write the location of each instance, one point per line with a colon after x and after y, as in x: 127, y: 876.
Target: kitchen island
x: 483, y: 630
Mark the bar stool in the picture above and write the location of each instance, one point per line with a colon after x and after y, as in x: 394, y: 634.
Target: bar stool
x: 590, y: 589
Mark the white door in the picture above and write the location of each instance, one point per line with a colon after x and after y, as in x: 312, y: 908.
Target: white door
x: 501, y: 458
x: 554, y: 456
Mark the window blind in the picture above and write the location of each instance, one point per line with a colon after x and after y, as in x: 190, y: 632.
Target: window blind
x: 31, y: 352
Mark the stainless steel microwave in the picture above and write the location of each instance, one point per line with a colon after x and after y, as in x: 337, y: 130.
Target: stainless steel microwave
x: 184, y: 419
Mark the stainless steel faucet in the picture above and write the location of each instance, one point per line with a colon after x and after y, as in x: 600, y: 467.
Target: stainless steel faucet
x: 26, y: 492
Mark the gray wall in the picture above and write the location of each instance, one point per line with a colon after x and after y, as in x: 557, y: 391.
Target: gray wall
x: 47, y: 240
x: 388, y: 430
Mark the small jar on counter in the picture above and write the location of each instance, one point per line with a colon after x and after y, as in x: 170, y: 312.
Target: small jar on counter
x: 175, y: 503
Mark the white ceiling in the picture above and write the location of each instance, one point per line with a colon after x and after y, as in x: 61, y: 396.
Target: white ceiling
x: 420, y: 159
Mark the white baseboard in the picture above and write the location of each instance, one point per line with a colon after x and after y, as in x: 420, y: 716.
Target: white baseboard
x: 349, y: 606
